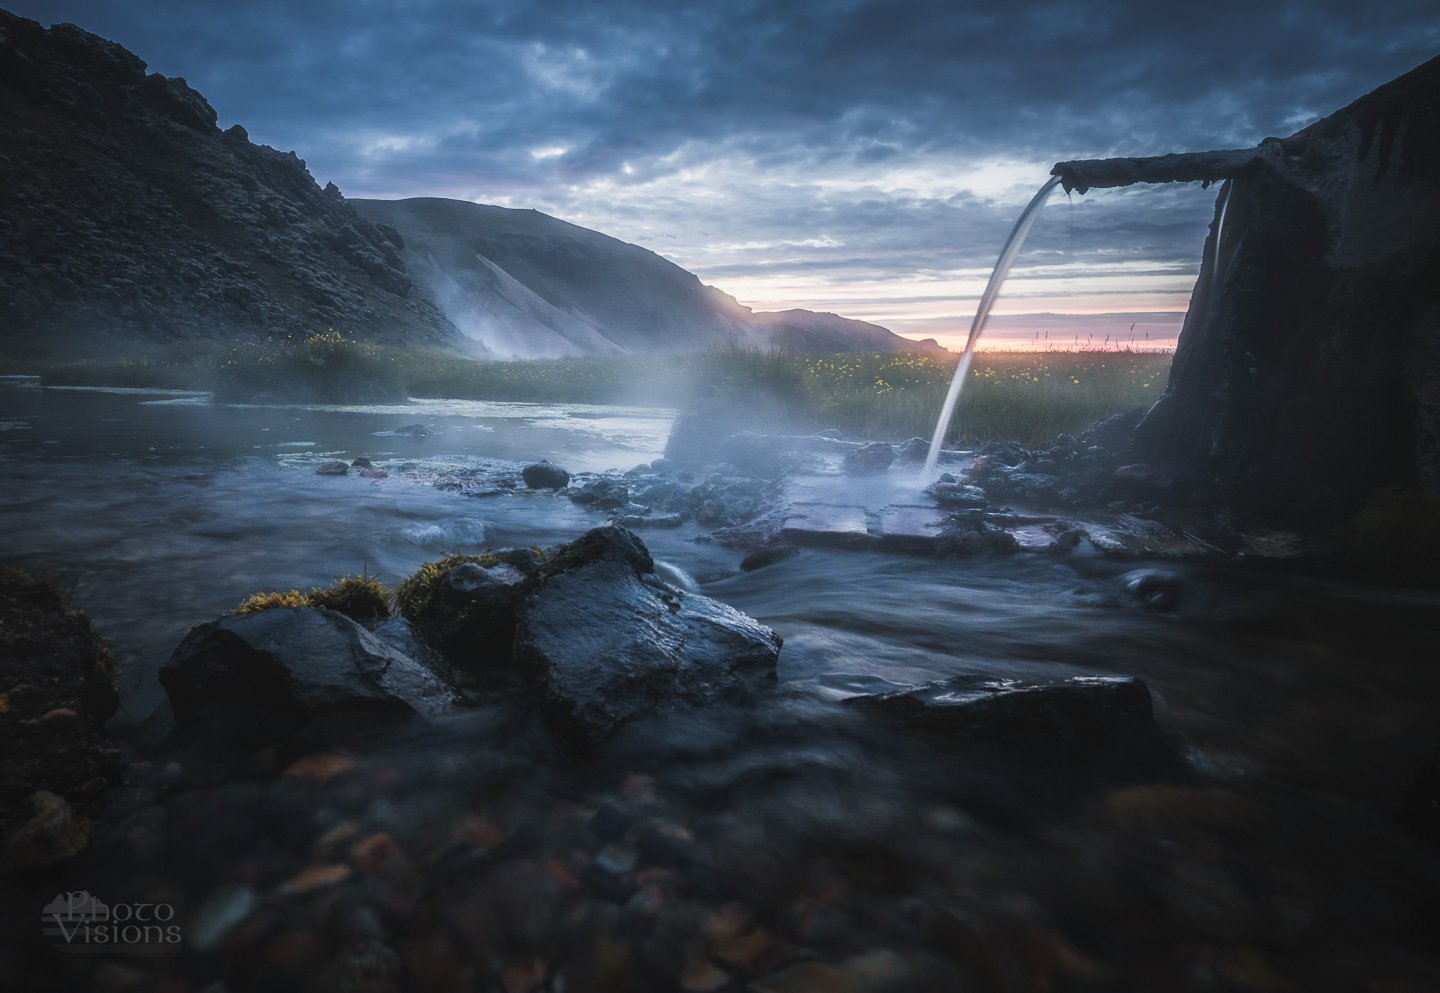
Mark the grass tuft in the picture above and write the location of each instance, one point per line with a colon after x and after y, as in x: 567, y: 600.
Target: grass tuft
x: 361, y: 598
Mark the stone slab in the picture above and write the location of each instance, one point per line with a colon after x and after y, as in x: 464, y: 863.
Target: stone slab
x: 826, y: 526
x: 910, y: 528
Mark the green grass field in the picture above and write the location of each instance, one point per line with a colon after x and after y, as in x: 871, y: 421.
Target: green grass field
x: 1028, y: 397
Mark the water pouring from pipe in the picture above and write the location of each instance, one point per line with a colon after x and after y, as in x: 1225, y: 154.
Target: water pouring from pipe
x: 982, y: 312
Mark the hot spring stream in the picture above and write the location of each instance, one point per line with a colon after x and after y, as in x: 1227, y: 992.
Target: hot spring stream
x: 1299, y: 842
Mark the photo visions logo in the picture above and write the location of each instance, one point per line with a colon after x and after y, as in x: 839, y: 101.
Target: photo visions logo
x: 79, y: 922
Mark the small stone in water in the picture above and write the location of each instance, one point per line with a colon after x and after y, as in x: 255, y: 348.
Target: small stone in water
x: 316, y: 877
x: 332, y: 469
x: 319, y: 767
x: 218, y: 916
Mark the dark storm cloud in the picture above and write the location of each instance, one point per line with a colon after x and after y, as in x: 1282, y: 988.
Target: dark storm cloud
x: 844, y: 127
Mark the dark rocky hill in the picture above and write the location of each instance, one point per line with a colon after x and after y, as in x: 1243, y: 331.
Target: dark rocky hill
x: 128, y: 217
x: 126, y: 213
x: 525, y: 283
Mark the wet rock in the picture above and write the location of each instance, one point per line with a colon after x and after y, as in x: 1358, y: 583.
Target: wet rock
x: 1004, y: 452
x: 1156, y: 588
x: 727, y: 501
x: 868, y: 460
x: 465, y: 607
x: 374, y: 473
x: 969, y: 534
x: 545, y: 475
x: 650, y: 520
x: 827, y: 526
x: 954, y: 495
x: 911, y: 530
x: 298, y: 662
x: 764, y: 557
x: 610, y: 641
x: 602, y: 493
x: 362, y: 463
x: 1115, y: 433
x: 332, y: 468
x: 413, y: 431
x: 1078, y: 709
x: 913, y: 451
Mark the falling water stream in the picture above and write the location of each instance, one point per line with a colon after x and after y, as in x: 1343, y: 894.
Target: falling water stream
x: 1225, y: 193
x: 982, y: 312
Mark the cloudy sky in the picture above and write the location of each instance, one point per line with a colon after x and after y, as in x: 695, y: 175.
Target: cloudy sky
x: 859, y: 156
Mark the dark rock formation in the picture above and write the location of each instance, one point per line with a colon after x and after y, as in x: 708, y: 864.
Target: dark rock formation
x: 868, y: 460
x: 465, y: 608
x: 589, y: 625
x: 126, y: 212
x: 545, y: 475
x: 523, y: 283
x: 1079, y: 710
x: 613, y: 642
x: 298, y: 662
x: 56, y: 693
x: 1307, y: 378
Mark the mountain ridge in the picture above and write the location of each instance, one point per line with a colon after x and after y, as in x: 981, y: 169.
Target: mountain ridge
x: 128, y: 216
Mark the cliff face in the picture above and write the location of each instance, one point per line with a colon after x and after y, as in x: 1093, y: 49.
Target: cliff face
x: 519, y: 282
x: 125, y: 213
x: 1307, y: 376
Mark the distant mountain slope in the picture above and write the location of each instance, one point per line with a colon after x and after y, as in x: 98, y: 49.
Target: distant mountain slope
x: 524, y: 283
x: 126, y: 215
x: 125, y: 212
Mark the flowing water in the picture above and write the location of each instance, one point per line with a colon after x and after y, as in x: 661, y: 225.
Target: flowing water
x: 982, y: 313
x: 1299, y: 841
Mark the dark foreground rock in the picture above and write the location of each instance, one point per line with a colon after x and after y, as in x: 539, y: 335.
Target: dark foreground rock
x: 298, y: 662
x: 589, y: 626
x: 610, y: 641
x: 465, y: 608
x: 56, y: 693
x: 1079, y: 710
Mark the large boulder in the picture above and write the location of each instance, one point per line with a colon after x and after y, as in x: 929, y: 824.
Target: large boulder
x: 610, y: 641
x: 545, y: 475
x: 297, y: 662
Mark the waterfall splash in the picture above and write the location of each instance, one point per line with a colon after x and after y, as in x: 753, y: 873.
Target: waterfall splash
x: 987, y: 300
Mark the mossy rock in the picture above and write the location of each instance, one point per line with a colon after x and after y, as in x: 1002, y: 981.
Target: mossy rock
x: 464, y: 606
